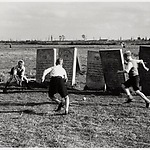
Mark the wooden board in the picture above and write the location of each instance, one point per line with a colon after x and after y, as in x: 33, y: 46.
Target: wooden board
x: 144, y: 53
x: 46, y: 58
x: 78, y: 63
x: 112, y: 61
x: 94, y: 77
x: 69, y: 56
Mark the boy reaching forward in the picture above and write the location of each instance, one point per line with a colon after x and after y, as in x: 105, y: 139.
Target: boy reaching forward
x: 133, y: 81
x: 58, y: 77
x: 17, y: 73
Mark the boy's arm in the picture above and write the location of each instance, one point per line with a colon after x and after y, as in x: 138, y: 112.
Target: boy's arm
x: 20, y: 79
x: 15, y: 74
x: 143, y: 64
x: 22, y: 73
x: 129, y: 66
x: 46, y: 71
x: 14, y: 70
x: 122, y: 71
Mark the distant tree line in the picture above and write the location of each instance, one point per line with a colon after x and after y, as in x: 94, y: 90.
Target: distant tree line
x: 62, y: 41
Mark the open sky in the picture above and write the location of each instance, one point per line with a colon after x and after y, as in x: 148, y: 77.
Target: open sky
x: 40, y: 20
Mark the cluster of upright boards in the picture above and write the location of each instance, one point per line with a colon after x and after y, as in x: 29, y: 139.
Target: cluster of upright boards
x: 102, y: 67
x: 46, y: 57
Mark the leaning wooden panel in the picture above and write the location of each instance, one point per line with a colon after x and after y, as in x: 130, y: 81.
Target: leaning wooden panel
x: 94, y: 76
x: 45, y: 58
x: 69, y: 56
x: 144, y: 53
x: 112, y: 61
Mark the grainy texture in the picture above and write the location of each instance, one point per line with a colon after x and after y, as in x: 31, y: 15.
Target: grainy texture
x: 28, y: 119
x: 94, y: 77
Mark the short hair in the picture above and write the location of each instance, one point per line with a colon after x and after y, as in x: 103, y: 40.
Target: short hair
x: 127, y: 53
x: 21, y: 62
x: 58, y: 61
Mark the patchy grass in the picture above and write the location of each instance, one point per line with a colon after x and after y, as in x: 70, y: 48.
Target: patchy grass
x: 10, y: 56
x: 29, y: 120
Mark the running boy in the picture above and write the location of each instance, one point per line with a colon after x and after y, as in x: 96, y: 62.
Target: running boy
x: 133, y: 81
x: 18, y: 74
x: 58, y: 77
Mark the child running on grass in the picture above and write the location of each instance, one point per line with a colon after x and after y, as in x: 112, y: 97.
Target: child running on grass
x: 133, y: 81
x: 58, y: 77
x: 18, y: 74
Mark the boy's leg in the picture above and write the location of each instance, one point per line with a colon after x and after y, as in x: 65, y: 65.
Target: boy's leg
x: 136, y: 88
x: 51, y: 94
x: 66, y: 104
x: 59, y: 106
x: 62, y: 90
x: 20, y: 79
x: 26, y: 82
x: 53, y: 90
x: 19, y: 82
x: 53, y: 98
x: 127, y: 91
x: 25, y: 78
x: 7, y: 83
x: 17, y: 79
x: 143, y: 97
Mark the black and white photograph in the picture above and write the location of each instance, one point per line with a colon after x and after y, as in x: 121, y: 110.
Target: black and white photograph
x: 74, y: 74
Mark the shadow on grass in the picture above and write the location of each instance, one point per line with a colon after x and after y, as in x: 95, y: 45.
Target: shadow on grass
x: 70, y: 91
x: 44, y: 103
x: 106, y: 105
x: 124, y: 104
x: 93, y: 104
x: 31, y: 112
x: 24, y: 104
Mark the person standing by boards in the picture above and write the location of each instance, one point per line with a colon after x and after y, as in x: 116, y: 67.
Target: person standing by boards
x: 58, y: 77
x: 134, y: 80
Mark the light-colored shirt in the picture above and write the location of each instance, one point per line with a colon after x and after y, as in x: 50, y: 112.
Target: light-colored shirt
x: 55, y: 71
x: 19, y: 71
x: 58, y: 71
x: 132, y: 67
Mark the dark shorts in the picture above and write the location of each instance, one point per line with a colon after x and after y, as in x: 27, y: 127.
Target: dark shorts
x: 133, y: 82
x: 57, y: 85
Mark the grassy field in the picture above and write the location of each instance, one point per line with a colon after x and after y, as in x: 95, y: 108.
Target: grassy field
x: 9, y: 58
x: 100, y: 121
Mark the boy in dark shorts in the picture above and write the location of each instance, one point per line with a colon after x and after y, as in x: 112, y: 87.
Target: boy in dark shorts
x: 58, y: 77
x: 18, y: 74
x: 133, y: 81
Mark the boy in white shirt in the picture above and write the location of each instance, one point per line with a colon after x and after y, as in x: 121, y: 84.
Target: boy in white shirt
x: 132, y: 70
x: 58, y: 77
